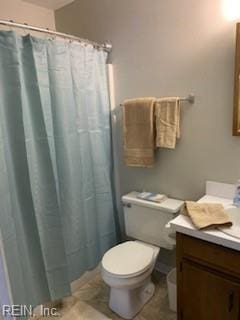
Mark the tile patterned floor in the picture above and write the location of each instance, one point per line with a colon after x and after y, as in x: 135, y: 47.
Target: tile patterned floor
x: 90, y: 302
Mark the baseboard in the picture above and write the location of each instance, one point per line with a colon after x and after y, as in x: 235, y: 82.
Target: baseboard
x: 85, y: 278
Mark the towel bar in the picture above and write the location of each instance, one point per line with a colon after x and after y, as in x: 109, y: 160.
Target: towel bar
x: 190, y: 98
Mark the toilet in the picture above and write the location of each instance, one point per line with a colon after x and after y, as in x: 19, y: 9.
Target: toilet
x: 127, y: 267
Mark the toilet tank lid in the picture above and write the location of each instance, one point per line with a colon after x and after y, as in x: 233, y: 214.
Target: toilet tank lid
x: 169, y: 205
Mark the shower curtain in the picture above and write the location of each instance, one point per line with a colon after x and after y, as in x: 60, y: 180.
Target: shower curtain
x: 57, y: 212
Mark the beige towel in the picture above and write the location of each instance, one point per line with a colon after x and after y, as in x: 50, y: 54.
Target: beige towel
x: 206, y: 215
x: 167, y: 113
x: 138, y: 115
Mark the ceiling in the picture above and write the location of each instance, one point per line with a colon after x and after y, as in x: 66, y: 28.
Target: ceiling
x: 50, y: 4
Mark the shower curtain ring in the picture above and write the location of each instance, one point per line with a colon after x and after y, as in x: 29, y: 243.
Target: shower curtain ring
x: 25, y: 29
x: 10, y: 26
x: 49, y: 35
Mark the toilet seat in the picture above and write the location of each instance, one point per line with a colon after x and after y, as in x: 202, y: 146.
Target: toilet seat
x: 128, y: 259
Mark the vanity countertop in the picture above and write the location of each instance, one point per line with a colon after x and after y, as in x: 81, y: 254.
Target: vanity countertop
x: 184, y: 225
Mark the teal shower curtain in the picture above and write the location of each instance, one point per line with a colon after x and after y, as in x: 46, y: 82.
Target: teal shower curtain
x: 57, y: 213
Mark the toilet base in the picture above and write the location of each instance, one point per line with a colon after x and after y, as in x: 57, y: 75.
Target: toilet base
x: 128, y: 302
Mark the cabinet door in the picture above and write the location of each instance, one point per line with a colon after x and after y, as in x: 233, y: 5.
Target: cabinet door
x: 236, y: 110
x: 206, y: 295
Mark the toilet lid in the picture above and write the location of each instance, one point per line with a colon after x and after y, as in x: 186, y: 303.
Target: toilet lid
x: 128, y: 259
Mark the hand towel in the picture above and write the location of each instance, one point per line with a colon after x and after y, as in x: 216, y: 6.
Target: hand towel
x: 139, y: 145
x: 167, y: 113
x: 207, y: 215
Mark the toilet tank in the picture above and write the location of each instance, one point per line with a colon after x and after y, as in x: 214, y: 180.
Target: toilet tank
x: 146, y: 220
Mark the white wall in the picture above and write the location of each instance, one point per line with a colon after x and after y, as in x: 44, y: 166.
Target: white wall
x: 26, y: 13
x: 174, y: 48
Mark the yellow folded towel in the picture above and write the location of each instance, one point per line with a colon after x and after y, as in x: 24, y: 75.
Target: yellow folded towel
x: 206, y: 215
x: 138, y: 115
x: 167, y: 113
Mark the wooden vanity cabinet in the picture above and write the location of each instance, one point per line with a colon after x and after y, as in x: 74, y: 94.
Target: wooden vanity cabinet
x: 208, y: 280
x: 236, y: 110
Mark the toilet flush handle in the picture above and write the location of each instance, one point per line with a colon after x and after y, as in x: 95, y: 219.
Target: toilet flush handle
x: 128, y: 205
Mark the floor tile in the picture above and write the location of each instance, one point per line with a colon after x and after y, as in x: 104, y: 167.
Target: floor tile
x: 90, y: 302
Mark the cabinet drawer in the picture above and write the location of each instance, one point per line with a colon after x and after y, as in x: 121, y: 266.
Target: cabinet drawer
x: 209, y: 254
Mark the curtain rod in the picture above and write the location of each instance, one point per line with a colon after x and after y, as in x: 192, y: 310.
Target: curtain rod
x: 107, y: 46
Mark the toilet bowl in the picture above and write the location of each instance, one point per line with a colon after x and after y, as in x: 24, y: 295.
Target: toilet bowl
x: 127, y: 269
